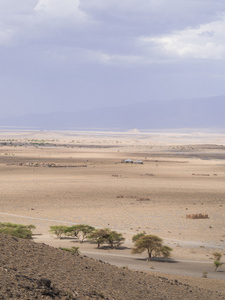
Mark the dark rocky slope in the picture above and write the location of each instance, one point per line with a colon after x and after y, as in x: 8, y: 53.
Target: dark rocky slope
x: 36, y: 271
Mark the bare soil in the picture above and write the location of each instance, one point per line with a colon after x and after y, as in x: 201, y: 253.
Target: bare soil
x: 65, y: 178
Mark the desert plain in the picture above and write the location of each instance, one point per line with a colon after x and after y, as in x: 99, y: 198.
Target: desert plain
x: 77, y: 177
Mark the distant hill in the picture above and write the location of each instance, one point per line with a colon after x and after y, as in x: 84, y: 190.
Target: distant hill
x: 180, y: 113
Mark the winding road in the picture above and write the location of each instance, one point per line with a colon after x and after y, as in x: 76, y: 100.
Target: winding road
x: 139, y: 263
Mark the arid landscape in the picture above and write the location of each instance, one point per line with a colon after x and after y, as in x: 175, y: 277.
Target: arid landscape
x: 64, y: 178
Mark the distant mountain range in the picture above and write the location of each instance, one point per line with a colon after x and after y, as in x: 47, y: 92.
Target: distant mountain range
x: 174, y: 114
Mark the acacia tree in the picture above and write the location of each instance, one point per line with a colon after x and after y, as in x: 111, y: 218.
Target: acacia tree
x: 73, y: 231
x: 79, y: 230
x: 99, y: 236
x: 115, y: 239
x: 86, y: 230
x: 17, y: 230
x: 152, y: 244
x: 166, y: 251
x: 106, y: 236
x: 138, y: 236
x: 58, y: 230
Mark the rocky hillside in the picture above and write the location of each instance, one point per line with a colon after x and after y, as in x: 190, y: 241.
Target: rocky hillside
x: 36, y: 271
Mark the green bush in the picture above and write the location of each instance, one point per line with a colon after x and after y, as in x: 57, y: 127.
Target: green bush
x: 73, y: 250
x: 17, y: 230
x: 217, y: 257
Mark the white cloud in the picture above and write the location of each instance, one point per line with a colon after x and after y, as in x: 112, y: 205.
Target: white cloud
x: 204, y: 42
x: 13, y: 15
x: 179, y: 12
x: 6, y: 35
x: 61, y: 9
x: 28, y: 20
x: 68, y: 56
x: 107, y: 31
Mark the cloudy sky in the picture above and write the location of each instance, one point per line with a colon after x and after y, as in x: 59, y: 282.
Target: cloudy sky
x: 65, y: 55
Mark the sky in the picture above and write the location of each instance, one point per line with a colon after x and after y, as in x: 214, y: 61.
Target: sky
x: 69, y: 55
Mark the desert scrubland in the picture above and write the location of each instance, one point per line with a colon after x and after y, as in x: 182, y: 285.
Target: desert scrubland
x: 63, y: 178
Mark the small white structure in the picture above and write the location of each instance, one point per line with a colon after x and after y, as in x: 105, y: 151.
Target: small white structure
x: 127, y: 161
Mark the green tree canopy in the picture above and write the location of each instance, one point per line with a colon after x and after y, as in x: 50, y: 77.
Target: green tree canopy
x: 85, y: 231
x: 138, y: 236
x: 107, y: 236
x: 79, y: 231
x: 152, y: 244
x: 17, y: 230
x: 115, y: 239
x: 58, y: 230
x: 99, y: 236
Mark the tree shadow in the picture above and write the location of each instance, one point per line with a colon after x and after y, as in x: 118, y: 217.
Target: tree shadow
x: 107, y: 247
x: 157, y: 259
x: 164, y: 260
x: 220, y: 271
x: 79, y: 241
x: 68, y: 238
x: 119, y: 248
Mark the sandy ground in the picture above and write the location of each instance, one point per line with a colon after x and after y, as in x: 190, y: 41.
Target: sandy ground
x: 86, y: 183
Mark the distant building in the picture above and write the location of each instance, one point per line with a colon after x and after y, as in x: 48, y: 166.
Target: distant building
x: 140, y: 162
x: 127, y: 161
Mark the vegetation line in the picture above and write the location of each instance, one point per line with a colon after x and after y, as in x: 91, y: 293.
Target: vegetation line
x: 43, y: 219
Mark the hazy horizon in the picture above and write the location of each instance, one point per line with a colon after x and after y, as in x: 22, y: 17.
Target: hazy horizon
x: 77, y: 55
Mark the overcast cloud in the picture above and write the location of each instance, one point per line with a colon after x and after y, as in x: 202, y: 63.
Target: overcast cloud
x: 64, y: 55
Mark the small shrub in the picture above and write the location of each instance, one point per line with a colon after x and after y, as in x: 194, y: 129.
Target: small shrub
x: 73, y: 250
x: 204, y: 274
x: 197, y: 216
x: 217, y: 257
x: 217, y: 264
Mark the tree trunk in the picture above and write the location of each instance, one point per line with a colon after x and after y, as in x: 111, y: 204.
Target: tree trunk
x: 149, y: 255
